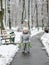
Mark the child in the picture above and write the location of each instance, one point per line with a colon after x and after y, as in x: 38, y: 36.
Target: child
x: 25, y: 39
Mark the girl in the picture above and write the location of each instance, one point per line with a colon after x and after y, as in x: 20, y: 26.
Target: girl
x: 25, y: 39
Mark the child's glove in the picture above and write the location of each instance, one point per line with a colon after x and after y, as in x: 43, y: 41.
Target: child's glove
x: 30, y: 45
x: 21, y: 45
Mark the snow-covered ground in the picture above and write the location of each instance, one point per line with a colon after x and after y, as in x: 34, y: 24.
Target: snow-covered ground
x: 7, y: 52
x: 17, y: 37
x: 35, y: 31
x: 45, y: 41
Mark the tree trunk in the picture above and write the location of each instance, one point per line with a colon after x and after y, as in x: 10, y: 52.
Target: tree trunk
x: 28, y: 13
x: 36, y: 14
x: 23, y: 12
x: 1, y: 16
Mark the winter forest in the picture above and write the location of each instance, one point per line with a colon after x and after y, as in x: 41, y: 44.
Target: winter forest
x: 24, y: 32
x: 35, y: 11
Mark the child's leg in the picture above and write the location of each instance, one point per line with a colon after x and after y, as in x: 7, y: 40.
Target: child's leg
x: 28, y: 50
x: 24, y: 47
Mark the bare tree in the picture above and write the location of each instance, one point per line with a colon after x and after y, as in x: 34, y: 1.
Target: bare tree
x: 48, y: 12
x: 47, y: 6
x: 5, y: 12
x: 42, y: 15
x: 23, y: 11
x: 28, y: 13
x: 32, y: 12
x: 36, y: 13
x: 1, y: 14
x: 9, y: 14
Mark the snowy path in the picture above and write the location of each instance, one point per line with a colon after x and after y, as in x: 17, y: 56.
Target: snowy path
x: 37, y: 56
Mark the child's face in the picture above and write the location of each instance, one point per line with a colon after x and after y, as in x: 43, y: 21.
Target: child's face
x: 25, y: 31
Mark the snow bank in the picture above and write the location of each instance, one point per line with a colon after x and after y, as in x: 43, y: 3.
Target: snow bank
x: 35, y: 31
x: 17, y: 37
x: 12, y: 29
x: 45, y: 41
x: 7, y: 52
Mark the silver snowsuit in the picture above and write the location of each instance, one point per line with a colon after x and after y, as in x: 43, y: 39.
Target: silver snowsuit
x: 25, y: 39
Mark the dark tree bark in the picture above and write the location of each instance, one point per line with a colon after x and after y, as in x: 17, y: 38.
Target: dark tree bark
x: 28, y: 13
x: 23, y: 11
x: 1, y: 15
x: 36, y: 14
x: 9, y: 14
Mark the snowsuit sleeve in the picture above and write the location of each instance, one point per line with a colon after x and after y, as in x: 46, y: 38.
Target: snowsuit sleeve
x: 22, y: 39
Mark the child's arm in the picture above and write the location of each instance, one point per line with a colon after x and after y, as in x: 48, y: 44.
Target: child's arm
x: 21, y: 39
x: 29, y: 36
